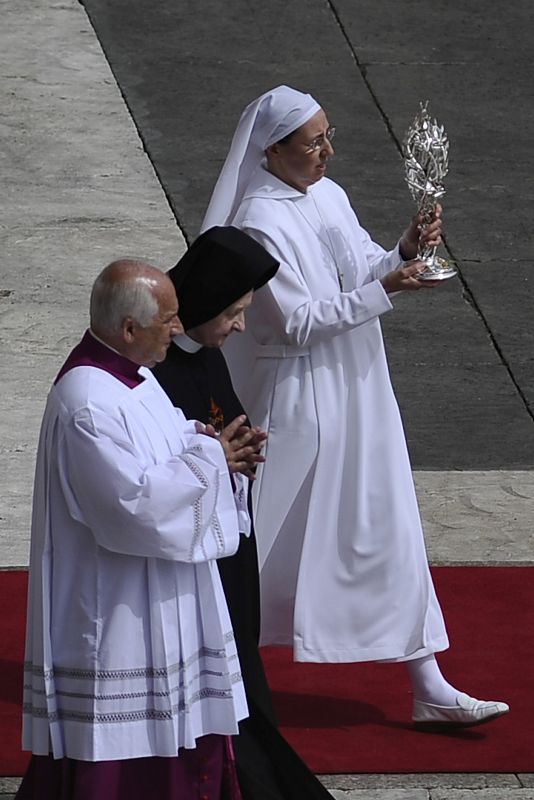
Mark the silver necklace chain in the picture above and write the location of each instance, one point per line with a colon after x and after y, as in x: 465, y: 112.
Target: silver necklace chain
x: 329, y: 245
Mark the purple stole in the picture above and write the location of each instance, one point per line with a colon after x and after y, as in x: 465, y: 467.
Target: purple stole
x: 92, y: 353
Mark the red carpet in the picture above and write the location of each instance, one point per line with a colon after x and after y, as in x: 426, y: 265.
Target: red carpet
x: 12, y: 625
x: 355, y: 718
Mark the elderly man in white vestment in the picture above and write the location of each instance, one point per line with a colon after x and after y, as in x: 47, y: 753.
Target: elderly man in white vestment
x: 132, y: 685
x: 344, y: 573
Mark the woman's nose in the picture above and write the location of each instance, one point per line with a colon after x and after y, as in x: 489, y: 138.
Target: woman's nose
x: 328, y: 147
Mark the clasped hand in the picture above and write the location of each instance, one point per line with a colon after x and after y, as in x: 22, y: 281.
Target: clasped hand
x: 241, y: 443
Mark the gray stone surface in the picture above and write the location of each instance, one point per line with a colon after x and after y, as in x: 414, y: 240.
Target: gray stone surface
x: 401, y: 787
x: 385, y: 782
x: 441, y: 793
x: 462, y: 373
x: 477, y: 517
x: 386, y: 794
x: 78, y: 191
x: 9, y: 785
x: 376, y: 788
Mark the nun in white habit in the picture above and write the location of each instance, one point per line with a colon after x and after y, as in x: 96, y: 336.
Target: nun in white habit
x: 344, y: 572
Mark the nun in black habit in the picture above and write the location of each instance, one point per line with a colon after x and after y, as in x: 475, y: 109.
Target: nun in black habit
x: 214, y: 282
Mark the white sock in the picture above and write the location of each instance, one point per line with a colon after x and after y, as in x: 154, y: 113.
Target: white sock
x: 428, y: 683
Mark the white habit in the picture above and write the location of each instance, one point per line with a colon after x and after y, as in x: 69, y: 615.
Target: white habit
x: 129, y: 648
x: 344, y: 573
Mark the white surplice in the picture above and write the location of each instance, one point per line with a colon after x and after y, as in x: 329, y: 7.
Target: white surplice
x: 129, y: 647
x: 344, y: 572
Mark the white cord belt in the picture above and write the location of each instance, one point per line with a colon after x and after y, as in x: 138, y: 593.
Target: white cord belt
x: 281, y: 351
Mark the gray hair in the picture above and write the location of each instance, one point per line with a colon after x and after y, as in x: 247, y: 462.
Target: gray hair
x: 114, y: 298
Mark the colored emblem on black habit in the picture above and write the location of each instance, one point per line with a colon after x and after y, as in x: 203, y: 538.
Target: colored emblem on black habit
x: 216, y: 417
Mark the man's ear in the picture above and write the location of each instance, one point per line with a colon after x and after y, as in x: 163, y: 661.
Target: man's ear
x: 128, y: 329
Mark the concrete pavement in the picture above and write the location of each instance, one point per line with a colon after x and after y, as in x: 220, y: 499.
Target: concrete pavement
x: 80, y: 189
x: 462, y: 358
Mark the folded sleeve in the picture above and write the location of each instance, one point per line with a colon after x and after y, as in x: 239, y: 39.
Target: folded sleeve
x: 300, y: 320
x: 181, y: 508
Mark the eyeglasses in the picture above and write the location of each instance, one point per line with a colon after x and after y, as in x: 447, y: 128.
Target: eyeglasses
x: 319, y: 141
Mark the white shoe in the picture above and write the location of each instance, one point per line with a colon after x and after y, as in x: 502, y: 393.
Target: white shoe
x: 467, y: 712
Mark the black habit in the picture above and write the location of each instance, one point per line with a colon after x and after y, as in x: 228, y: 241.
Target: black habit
x: 219, y: 268
x: 268, y: 768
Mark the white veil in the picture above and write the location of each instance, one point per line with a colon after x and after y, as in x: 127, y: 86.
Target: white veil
x: 266, y: 120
